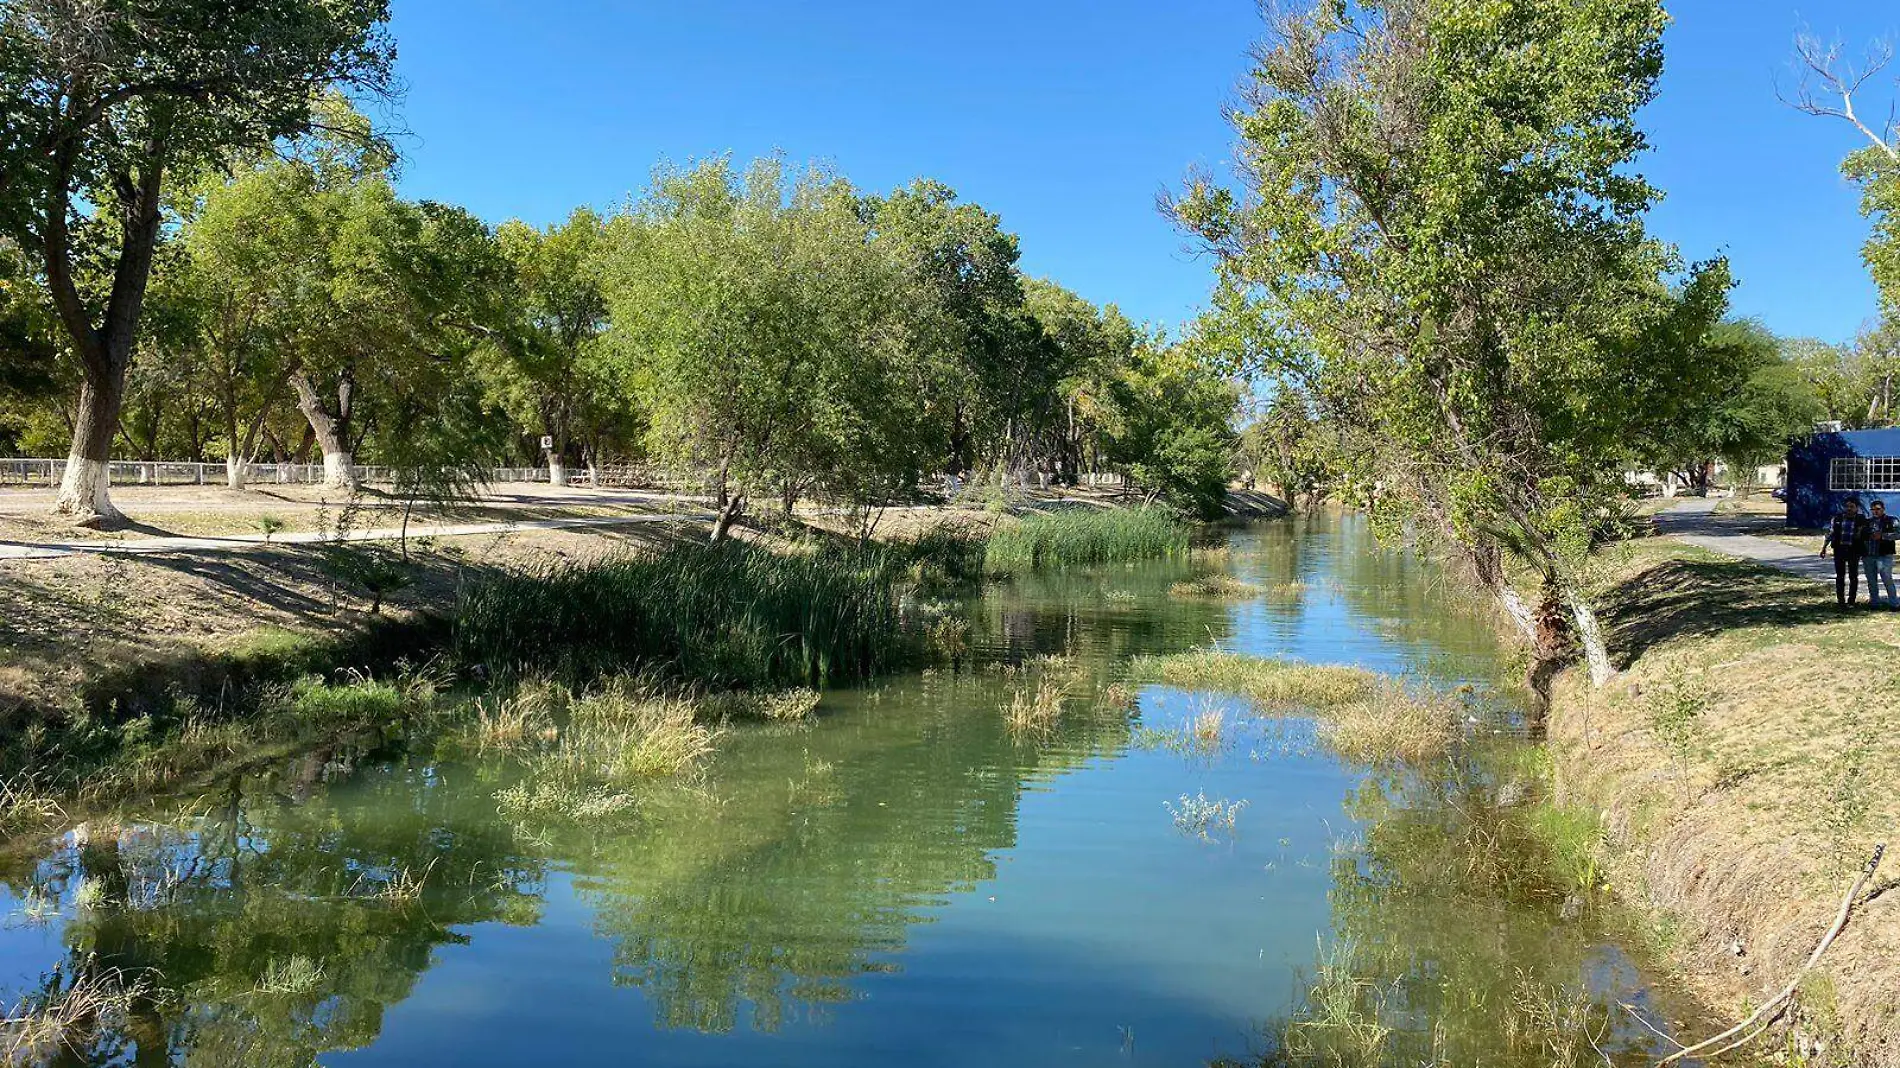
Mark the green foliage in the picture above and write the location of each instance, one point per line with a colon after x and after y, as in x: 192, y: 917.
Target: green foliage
x: 724, y: 614
x: 1441, y: 241
x: 1768, y: 405
x: 1080, y: 536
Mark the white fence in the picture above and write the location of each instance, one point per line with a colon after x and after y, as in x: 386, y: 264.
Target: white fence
x: 34, y: 472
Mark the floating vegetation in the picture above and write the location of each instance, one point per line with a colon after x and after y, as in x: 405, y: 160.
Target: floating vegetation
x: 1197, y: 815
x: 1362, y: 716
x: 1287, y: 591
x: 1274, y: 684
x: 1216, y: 585
x: 1121, y: 598
x: 293, y: 976
x: 1078, y: 536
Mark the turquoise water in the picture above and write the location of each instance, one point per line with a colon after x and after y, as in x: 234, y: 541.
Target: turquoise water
x: 899, y: 881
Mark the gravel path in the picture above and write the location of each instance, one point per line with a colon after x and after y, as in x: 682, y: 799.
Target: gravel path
x: 1694, y: 522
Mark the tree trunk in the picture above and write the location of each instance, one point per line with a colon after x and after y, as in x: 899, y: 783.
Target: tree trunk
x: 85, y: 489
x: 557, y: 470
x: 331, y: 429
x: 1590, y: 634
x: 727, y: 516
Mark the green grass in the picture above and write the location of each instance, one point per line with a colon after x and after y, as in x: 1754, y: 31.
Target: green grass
x: 1077, y: 536
x: 716, y: 615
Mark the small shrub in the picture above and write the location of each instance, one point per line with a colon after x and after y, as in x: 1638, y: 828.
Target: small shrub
x: 270, y: 525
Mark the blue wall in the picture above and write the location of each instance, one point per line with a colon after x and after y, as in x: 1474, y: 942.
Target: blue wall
x: 1810, y: 503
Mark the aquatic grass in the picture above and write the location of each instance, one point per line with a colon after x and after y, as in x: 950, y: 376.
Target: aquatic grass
x: 1198, y: 814
x: 293, y: 976
x: 1271, y: 683
x: 23, y: 808
x: 624, y: 731
x: 777, y: 706
x: 1342, y: 1022
x: 1405, y: 723
x: 1076, y: 536
x: 719, y: 615
x: 1216, y: 585
x: 72, y: 1003
x: 1034, y: 710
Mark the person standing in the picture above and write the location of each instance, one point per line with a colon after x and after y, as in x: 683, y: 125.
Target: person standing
x: 1882, y: 531
x: 1847, y: 534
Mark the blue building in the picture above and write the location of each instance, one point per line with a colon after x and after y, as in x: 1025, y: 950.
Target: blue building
x: 1828, y: 468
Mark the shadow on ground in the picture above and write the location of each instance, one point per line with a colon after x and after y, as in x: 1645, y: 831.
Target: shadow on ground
x: 1692, y: 598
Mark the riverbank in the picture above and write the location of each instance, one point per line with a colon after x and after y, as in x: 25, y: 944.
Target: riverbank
x: 1745, y: 762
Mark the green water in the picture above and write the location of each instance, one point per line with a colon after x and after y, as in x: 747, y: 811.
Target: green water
x: 899, y: 881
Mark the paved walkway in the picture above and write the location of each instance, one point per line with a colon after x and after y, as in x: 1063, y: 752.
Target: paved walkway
x: 17, y: 550
x: 1694, y: 522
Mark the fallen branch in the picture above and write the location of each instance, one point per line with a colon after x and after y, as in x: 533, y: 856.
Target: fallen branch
x: 1772, y: 1009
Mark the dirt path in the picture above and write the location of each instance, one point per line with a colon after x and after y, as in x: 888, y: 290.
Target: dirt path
x: 10, y: 550
x: 1694, y: 521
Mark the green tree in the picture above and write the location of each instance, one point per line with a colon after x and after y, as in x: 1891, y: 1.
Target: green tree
x: 543, y: 361
x: 1769, y: 405
x: 1439, y: 238
x: 107, y: 103
x: 754, y: 316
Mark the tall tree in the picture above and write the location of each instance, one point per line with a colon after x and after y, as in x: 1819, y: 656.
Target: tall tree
x: 543, y: 362
x: 111, y: 100
x: 1439, y: 238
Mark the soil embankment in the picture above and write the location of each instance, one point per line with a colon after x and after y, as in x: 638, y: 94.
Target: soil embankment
x: 1745, y: 762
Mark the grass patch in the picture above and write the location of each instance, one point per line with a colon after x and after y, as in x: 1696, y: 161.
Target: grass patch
x: 1409, y: 724
x: 1076, y: 536
x: 1270, y: 683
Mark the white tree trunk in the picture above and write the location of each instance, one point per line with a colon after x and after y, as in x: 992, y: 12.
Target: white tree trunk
x: 1519, y: 612
x: 339, y: 470
x: 1590, y: 633
x: 85, y: 492
x: 234, y: 471
x: 557, y: 471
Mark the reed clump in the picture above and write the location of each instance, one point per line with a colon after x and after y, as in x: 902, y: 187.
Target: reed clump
x: 727, y: 615
x: 621, y: 731
x: 1077, y: 536
x: 1035, y: 709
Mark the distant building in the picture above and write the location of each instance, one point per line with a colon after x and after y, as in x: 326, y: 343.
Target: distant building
x: 1831, y: 466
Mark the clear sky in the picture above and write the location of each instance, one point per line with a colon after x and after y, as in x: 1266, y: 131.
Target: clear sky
x: 1066, y: 117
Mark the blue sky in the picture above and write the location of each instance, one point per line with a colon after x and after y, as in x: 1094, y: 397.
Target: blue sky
x: 1067, y: 117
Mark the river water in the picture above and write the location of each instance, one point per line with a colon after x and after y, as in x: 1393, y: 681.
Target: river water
x: 898, y: 881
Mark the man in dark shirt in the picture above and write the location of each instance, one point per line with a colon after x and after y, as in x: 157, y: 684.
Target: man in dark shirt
x: 1847, y: 533
x: 1882, y: 530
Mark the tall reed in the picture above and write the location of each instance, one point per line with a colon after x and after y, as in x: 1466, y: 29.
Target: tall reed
x: 728, y: 614
x: 1083, y: 536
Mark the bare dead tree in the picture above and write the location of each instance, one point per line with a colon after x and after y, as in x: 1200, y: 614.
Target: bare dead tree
x: 1830, y: 87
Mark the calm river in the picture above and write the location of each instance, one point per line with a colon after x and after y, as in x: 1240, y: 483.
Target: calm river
x: 897, y: 882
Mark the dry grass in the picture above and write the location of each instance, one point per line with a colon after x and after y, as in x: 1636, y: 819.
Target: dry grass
x: 1743, y: 831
